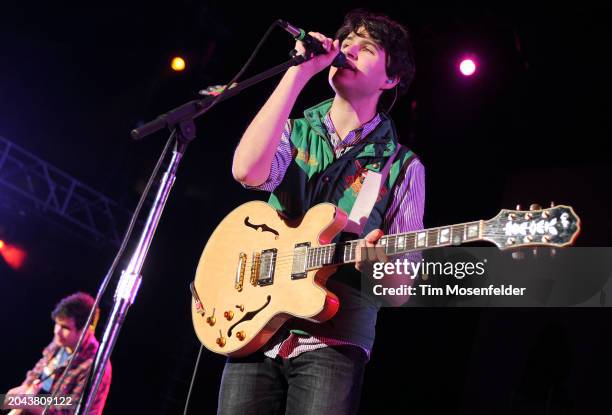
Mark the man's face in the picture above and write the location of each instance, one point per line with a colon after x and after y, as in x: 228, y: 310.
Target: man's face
x: 368, y: 75
x: 65, y: 332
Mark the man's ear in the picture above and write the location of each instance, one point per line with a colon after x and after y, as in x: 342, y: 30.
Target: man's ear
x: 390, y: 83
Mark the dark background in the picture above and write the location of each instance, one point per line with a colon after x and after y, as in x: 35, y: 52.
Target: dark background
x: 531, y: 126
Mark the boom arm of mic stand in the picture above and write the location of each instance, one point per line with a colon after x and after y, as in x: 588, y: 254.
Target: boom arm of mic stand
x: 193, y: 109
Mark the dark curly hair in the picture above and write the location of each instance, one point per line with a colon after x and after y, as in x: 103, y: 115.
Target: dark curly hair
x: 390, y: 36
x: 76, y: 306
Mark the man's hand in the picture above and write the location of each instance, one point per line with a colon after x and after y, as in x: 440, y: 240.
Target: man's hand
x: 319, y: 62
x: 29, y: 389
x: 377, y: 254
x: 19, y: 390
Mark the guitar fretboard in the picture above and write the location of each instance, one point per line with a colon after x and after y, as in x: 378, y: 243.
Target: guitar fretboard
x: 345, y: 252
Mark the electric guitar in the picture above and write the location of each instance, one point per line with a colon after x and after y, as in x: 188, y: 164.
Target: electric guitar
x: 258, y: 269
x: 51, y: 368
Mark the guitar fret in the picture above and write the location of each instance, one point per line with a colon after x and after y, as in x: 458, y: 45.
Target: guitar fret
x: 391, y: 245
x: 444, y: 236
x: 432, y: 237
x: 383, y: 243
x: 457, y: 235
x: 420, y: 240
x: 472, y: 230
x: 399, y: 243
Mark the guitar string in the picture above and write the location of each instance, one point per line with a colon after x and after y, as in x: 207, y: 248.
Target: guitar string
x: 287, y: 257
x: 410, y: 239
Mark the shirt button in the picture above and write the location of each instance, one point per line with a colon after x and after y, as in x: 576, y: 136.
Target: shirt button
x: 325, y: 179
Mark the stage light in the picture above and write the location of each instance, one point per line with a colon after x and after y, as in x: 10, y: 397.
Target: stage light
x: 467, y: 67
x: 178, y: 64
x: 13, y: 255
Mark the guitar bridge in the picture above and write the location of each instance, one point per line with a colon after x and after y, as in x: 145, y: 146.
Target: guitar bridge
x: 242, y: 259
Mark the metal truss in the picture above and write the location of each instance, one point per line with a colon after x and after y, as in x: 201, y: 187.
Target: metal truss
x: 34, y: 183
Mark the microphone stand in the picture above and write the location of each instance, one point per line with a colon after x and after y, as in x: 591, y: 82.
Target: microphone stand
x: 180, y: 121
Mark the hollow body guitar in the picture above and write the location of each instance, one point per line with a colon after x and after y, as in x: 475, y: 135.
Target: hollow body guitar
x: 258, y: 269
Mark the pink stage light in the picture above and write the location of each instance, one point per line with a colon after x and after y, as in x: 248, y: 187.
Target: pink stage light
x: 467, y: 67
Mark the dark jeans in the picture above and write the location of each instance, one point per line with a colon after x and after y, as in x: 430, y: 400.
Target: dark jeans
x: 323, y: 381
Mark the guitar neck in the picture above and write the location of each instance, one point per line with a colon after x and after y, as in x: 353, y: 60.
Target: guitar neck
x: 400, y: 243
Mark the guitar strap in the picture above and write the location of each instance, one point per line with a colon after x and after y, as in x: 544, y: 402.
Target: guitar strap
x: 366, y: 198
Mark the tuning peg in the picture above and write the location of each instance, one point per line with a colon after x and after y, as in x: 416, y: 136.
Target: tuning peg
x: 552, y: 204
x: 518, y: 207
x: 535, y: 206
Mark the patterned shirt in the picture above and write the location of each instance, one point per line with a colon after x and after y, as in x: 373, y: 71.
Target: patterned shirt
x: 404, y: 215
x: 74, y: 381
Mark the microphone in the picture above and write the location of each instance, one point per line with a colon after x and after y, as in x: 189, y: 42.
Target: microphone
x: 313, y: 44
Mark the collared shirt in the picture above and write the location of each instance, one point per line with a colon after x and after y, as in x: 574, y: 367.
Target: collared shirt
x: 405, y: 214
x: 76, y: 377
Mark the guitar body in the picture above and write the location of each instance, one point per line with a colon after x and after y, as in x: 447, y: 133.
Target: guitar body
x: 243, y: 300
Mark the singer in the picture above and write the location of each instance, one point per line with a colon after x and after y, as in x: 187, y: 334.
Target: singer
x: 325, y: 156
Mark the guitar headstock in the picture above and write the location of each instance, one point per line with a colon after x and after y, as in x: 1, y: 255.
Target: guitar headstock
x: 555, y: 226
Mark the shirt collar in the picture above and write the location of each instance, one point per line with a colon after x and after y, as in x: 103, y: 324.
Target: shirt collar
x: 355, y: 135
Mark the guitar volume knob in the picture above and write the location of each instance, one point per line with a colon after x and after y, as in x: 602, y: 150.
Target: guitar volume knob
x: 241, y: 335
x: 229, y: 315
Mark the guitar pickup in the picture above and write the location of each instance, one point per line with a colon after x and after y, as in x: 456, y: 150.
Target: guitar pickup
x: 267, y: 264
x: 300, y: 255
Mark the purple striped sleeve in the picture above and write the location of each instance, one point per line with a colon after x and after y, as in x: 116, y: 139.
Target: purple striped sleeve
x: 409, y: 203
x: 280, y: 162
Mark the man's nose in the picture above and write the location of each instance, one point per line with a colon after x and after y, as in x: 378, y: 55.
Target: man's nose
x: 352, y: 51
